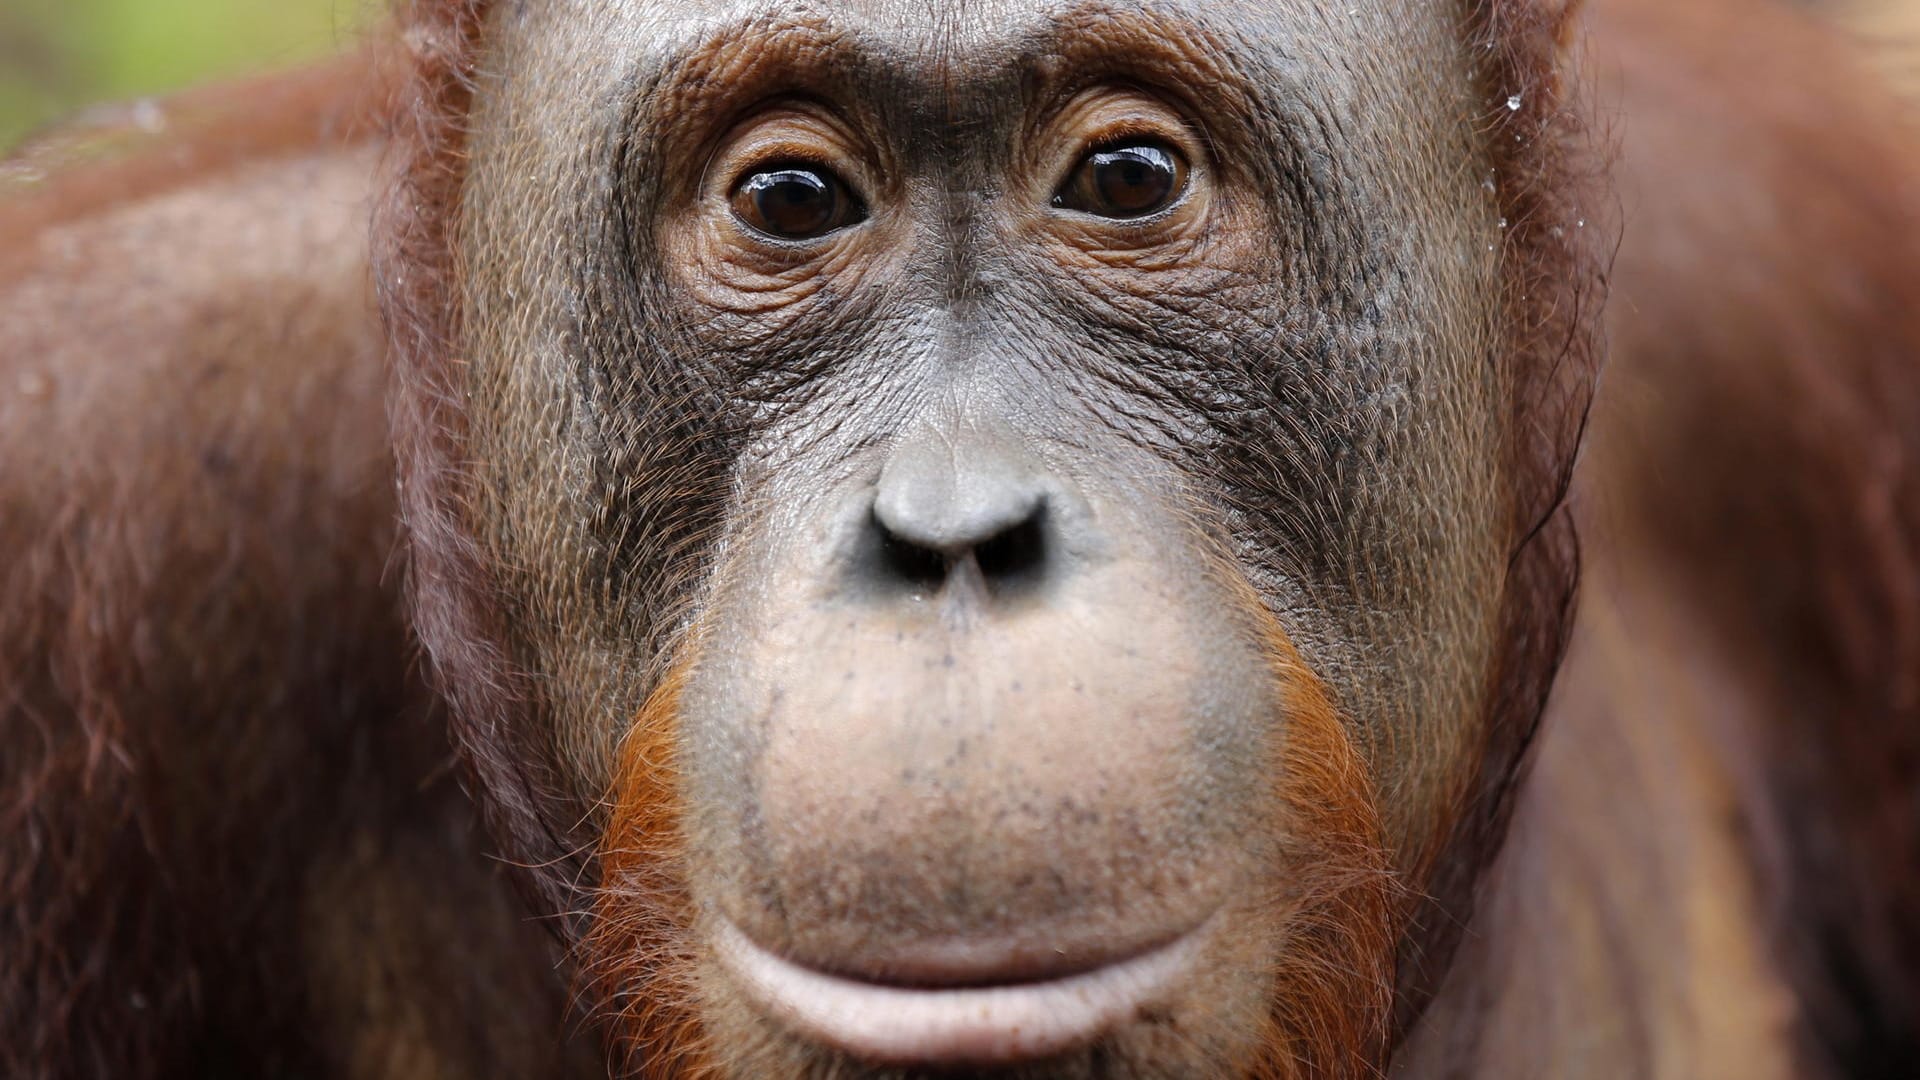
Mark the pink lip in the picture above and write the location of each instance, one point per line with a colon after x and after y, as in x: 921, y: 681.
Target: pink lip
x: 970, y: 1025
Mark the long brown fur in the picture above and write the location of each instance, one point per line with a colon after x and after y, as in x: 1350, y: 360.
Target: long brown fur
x: 222, y: 791
x: 1760, y: 449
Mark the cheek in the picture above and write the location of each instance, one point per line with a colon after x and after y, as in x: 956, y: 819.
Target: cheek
x: 1204, y: 248
x: 739, y: 291
x: 712, y: 269
x: 1437, y: 571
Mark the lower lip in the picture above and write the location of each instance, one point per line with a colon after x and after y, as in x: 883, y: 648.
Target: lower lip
x: 989, y: 1025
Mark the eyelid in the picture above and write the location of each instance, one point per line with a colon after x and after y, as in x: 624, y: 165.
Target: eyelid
x: 1136, y: 132
x: 1109, y: 117
x: 1119, y: 135
x: 803, y: 132
x: 770, y: 165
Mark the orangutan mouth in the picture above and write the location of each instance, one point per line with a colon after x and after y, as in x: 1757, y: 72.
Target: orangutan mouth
x: 980, y: 1023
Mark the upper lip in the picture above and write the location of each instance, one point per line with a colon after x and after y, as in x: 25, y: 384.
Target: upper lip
x: 991, y: 1015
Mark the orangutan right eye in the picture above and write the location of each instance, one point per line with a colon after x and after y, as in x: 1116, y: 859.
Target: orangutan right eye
x: 1133, y: 179
x: 796, y: 202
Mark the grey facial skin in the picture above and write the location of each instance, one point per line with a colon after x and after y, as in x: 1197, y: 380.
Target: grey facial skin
x: 951, y: 510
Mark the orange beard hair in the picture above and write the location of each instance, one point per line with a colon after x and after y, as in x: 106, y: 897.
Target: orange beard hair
x: 1333, y: 985
x: 639, y: 956
x: 1333, y: 989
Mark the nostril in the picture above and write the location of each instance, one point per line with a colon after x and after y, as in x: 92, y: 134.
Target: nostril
x: 1006, y: 559
x: 910, y: 563
x: 1017, y: 554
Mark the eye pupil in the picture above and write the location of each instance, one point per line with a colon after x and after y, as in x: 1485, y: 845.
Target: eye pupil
x: 793, y: 203
x: 1125, y: 181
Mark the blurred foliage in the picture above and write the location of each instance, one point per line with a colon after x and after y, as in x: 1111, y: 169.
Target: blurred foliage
x: 57, y: 56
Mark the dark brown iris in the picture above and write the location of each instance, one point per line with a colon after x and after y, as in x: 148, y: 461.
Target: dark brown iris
x: 1128, y: 180
x: 797, y: 202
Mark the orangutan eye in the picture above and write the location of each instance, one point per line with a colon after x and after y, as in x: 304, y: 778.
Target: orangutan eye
x: 1132, y: 179
x: 795, y: 202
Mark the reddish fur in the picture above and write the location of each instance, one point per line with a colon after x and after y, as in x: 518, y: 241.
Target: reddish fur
x: 1333, y: 995
x: 132, y: 752
x: 638, y: 957
x: 206, y: 136
x: 1752, y: 480
x: 1763, y: 439
x: 216, y: 770
x: 1795, y: 409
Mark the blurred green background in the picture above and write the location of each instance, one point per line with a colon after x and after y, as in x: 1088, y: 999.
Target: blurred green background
x: 57, y: 56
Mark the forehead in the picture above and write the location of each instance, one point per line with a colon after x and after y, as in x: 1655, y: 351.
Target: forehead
x: 1333, y: 46
x: 943, y: 29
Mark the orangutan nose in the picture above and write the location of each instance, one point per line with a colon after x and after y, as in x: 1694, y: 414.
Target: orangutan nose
x: 953, y: 498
